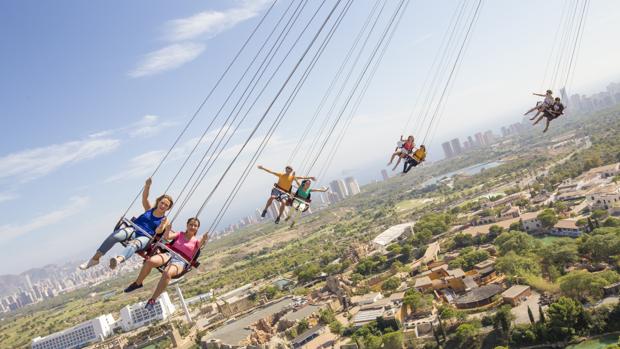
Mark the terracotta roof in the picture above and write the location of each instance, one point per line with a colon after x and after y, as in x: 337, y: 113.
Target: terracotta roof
x: 566, y: 224
x: 529, y: 215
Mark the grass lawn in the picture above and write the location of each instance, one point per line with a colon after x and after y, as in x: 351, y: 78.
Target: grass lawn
x: 408, y: 205
x: 547, y: 240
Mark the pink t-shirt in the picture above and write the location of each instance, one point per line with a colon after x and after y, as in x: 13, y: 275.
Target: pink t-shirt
x: 186, y: 248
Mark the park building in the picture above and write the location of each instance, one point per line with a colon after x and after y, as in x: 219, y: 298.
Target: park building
x: 392, y: 235
x: 78, y: 336
x: 136, y: 315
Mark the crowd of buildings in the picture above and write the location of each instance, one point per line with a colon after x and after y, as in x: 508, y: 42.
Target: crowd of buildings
x: 60, y: 280
x: 98, y: 329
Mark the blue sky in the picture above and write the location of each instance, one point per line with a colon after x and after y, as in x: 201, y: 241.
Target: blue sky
x: 92, y: 92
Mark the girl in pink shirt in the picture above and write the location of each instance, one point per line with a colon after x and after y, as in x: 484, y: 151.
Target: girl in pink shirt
x: 184, y: 243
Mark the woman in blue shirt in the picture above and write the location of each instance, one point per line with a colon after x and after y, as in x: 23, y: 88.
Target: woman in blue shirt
x: 153, y: 221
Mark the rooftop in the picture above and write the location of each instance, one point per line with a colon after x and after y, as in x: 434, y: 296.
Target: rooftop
x: 515, y: 291
x: 566, y: 224
x: 307, y: 334
x: 485, y: 264
x: 367, y: 315
x: 456, y: 272
x: 392, y: 234
x: 423, y: 281
x: 479, y: 293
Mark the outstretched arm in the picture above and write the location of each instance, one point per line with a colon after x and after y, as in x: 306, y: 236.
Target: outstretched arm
x: 322, y: 190
x: 539, y: 94
x: 260, y: 167
x: 311, y: 178
x: 145, y: 194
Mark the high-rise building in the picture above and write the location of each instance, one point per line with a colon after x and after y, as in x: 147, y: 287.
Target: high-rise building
x: 136, y: 315
x: 78, y: 336
x: 447, y: 149
x: 479, y: 139
x: 471, y: 141
x: 456, y: 146
x: 489, y: 137
x: 505, y: 131
x: 384, y: 175
x: 352, y: 186
x: 339, y: 188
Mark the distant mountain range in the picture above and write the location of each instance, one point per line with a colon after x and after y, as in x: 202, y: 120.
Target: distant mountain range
x: 11, y: 283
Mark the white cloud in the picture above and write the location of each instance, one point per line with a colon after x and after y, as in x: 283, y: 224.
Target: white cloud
x: 7, y: 196
x: 169, y: 57
x: 30, y: 164
x: 11, y: 231
x: 149, y: 126
x: 211, y: 22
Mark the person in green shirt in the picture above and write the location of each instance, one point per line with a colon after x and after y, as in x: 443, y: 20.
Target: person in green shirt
x: 303, y: 194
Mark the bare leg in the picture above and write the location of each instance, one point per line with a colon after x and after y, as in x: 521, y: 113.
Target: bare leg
x: 547, y: 126
x: 392, y: 158
x: 170, y: 272
x: 282, y: 206
x: 153, y: 262
x: 271, y: 198
x: 397, y: 163
x: 531, y: 110
x: 537, y: 121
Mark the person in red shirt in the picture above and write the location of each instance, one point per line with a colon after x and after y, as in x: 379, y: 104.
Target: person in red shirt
x: 185, y: 244
x: 403, y: 148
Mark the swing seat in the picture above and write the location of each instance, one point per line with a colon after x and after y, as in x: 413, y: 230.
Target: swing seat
x: 300, y: 204
x: 188, y: 264
x: 150, y: 249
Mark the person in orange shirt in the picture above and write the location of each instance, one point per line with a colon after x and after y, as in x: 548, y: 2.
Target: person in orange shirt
x: 282, y: 189
x: 415, y: 159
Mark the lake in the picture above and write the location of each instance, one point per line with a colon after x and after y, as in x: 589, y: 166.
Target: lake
x: 471, y: 170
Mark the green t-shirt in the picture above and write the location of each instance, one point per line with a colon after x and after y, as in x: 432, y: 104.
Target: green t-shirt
x: 303, y: 194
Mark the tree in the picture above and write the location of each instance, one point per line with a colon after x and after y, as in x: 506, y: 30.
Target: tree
x: 517, y: 241
x: 502, y: 320
x: 390, y: 284
x: 586, y: 286
x: 336, y: 327
x: 463, y: 240
x: 466, y: 335
x: 307, y: 272
x: 415, y: 301
x: 541, y: 314
x: 530, y: 315
x: 547, y: 218
x: 356, y: 278
x: 393, y: 340
x: 517, y: 265
x: 302, y: 326
x: 560, y: 253
x: 599, y: 214
x: 566, y: 318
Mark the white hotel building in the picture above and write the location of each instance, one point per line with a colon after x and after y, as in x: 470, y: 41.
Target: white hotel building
x: 78, y: 336
x: 135, y: 316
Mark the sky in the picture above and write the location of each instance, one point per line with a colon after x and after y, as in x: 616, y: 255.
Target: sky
x: 93, y: 93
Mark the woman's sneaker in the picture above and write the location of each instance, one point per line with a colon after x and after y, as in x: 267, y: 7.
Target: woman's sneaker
x: 115, y: 261
x: 150, y: 304
x: 91, y: 262
x: 132, y: 287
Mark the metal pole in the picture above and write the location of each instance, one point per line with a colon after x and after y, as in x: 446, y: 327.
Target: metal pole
x: 185, y: 310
